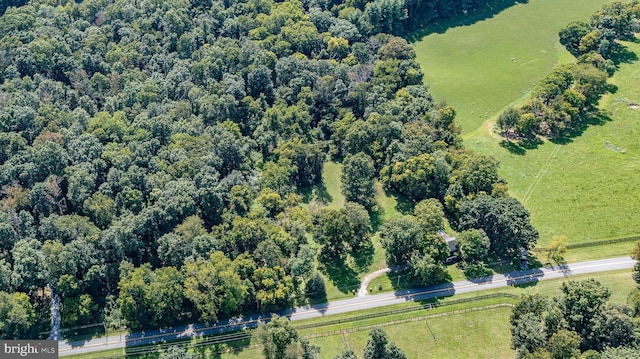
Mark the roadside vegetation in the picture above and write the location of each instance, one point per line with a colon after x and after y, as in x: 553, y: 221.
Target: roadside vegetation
x: 162, y: 163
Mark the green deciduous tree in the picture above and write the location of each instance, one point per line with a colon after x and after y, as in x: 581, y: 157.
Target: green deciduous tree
x: 429, y: 214
x: 213, y: 286
x: 401, y: 238
x: 474, y: 245
x: 17, y: 316
x: 358, y: 173
x: 504, y: 220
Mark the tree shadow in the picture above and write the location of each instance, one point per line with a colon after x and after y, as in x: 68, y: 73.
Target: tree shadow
x: 363, y: 256
x: 318, y: 192
x: 621, y: 54
x: 513, y: 147
x: 440, y: 26
x: 595, y: 117
x: 338, y: 272
x: 376, y: 218
x: 404, y: 205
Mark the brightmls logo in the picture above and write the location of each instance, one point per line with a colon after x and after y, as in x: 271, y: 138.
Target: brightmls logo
x: 36, y: 349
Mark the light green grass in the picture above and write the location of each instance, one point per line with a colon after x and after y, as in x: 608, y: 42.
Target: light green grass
x: 459, y: 335
x: 331, y: 178
x: 468, y: 335
x: 483, y: 67
x: 583, y: 190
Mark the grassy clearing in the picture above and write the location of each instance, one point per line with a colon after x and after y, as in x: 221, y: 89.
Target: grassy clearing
x: 483, y: 67
x: 468, y: 335
x: 586, y: 189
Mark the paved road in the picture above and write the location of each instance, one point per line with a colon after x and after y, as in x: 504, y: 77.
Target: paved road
x: 342, y: 306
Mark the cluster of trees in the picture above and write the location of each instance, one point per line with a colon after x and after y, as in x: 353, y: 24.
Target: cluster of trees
x: 580, y: 323
x: 153, y: 152
x: 564, y: 100
x: 280, y: 340
x: 377, y: 347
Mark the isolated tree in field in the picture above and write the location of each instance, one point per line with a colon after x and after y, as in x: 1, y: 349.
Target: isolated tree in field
x: 357, y: 177
x: 280, y: 340
x: 378, y: 346
x: 557, y: 249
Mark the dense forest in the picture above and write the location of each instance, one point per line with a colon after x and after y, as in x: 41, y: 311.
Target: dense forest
x: 158, y: 159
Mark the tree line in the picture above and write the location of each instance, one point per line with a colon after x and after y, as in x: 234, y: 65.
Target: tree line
x: 154, y: 159
x: 565, y: 101
x: 580, y: 323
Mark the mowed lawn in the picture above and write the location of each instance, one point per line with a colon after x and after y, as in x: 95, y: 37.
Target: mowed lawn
x: 586, y: 189
x: 470, y: 335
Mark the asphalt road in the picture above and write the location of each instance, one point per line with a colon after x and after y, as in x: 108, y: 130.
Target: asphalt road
x: 347, y: 305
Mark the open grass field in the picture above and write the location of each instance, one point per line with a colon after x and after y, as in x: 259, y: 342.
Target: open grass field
x: 585, y: 189
x: 483, y: 67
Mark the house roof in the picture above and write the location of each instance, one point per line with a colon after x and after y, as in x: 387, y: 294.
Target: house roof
x: 451, y: 241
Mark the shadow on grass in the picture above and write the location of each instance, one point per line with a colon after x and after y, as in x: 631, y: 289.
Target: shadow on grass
x: 342, y: 276
x: 376, y: 218
x: 513, y: 147
x: 596, y: 117
x: 318, y: 192
x: 440, y: 26
x: 363, y: 256
x: 405, y: 205
x: 621, y: 54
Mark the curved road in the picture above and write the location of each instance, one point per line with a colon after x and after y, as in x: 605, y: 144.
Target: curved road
x: 347, y: 305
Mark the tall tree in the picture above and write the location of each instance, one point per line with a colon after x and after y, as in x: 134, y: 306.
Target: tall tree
x: 357, y: 177
x: 504, y: 220
x: 213, y: 286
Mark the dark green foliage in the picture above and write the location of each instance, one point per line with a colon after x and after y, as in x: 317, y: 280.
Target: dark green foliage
x: 342, y: 230
x: 504, y: 220
x: 17, y: 316
x: 474, y: 245
x: 142, y: 147
x: 401, y: 238
x: 579, y: 320
x: 281, y: 340
x: 378, y: 347
x: 358, y: 173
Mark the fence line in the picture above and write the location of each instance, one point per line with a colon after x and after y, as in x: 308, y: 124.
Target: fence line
x: 594, y: 243
x: 406, y: 320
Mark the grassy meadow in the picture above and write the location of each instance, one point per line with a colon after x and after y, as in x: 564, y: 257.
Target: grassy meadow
x: 585, y: 189
x: 463, y: 335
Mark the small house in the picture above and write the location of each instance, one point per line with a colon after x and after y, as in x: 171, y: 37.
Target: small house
x: 454, y: 248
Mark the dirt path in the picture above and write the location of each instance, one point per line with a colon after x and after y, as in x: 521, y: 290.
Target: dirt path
x: 366, y: 280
